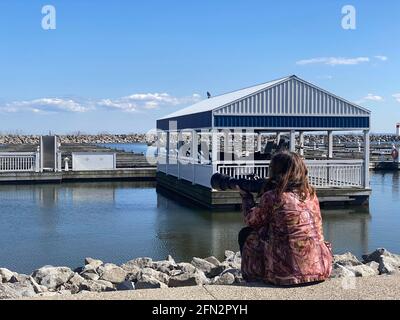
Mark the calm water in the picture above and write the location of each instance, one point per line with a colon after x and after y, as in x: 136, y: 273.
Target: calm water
x: 62, y: 224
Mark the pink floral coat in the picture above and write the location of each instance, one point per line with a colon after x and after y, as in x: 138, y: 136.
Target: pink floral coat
x: 287, y: 246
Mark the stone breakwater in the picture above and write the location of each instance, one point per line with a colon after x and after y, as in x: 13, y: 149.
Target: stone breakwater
x: 144, y: 273
x: 81, y: 138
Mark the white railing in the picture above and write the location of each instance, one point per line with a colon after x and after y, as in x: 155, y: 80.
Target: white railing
x: 321, y: 173
x: 18, y: 162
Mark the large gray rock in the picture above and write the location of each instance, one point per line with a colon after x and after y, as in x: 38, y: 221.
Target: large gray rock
x: 237, y: 273
x: 339, y: 271
x: 138, y: 262
x: 37, y: 287
x: 22, y: 289
x: 147, y: 282
x: 213, y: 260
x: 202, y: 265
x: 151, y: 273
x: 188, y: 279
x: 75, y: 283
x: 186, y: 267
x: 112, y: 273
x: 89, y: 272
x: 5, y: 275
x: 97, y: 285
x: 6, y: 292
x: 225, y: 279
x: 94, y: 262
x: 363, y: 271
x: 165, y: 266
x: 388, y: 265
x: 52, y: 277
x: 376, y: 255
x: 346, y: 259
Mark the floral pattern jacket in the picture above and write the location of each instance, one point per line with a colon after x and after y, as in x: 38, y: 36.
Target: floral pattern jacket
x: 287, y: 245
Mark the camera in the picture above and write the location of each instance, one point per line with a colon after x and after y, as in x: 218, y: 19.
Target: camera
x: 224, y: 182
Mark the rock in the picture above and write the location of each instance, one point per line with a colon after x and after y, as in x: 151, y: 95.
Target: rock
x: 165, y: 266
x: 188, y: 279
x: 375, y: 256
x: 94, y: 262
x: 5, y: 275
x: 148, y: 272
x: 19, y: 278
x: 346, y: 259
x: 213, y: 260
x: 170, y: 260
x: 97, y: 285
x: 186, y: 267
x: 90, y: 276
x: 126, y: 285
x: 387, y: 265
x: 225, y: 279
x: 139, y: 262
x: 7, y: 293
x: 339, y: 271
x: 202, y: 265
x: 37, y: 287
x: 76, y: 280
x: 112, y: 273
x: 52, y: 277
x: 237, y: 273
x: 22, y: 289
x: 229, y: 255
x: 363, y: 271
x: 147, y: 282
x: 374, y: 265
x: 216, y: 271
x: 132, y: 270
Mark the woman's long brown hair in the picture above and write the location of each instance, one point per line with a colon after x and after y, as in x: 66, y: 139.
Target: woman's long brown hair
x: 288, y: 173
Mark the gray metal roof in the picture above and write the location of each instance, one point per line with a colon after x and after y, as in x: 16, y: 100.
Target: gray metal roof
x: 222, y: 100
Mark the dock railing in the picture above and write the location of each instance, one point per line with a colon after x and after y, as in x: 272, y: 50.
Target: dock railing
x: 321, y: 173
x: 19, y: 162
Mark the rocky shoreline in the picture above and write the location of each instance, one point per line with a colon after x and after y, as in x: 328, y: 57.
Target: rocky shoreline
x: 144, y: 273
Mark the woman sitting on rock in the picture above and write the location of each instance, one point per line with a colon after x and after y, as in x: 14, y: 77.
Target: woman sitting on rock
x: 284, y: 243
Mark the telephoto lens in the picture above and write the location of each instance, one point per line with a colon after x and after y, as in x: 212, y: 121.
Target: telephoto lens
x: 224, y: 182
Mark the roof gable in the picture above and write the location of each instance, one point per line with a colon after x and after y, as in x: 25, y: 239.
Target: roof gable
x: 294, y: 97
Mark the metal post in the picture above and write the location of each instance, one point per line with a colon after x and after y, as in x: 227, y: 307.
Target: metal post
x: 366, y: 159
x: 214, y: 149
x: 292, y: 141
x: 167, y: 153
x: 301, y: 141
x: 194, y: 154
x: 330, y: 144
x: 259, y: 141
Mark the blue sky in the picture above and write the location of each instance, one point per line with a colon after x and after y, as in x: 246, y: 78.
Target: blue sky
x: 115, y: 66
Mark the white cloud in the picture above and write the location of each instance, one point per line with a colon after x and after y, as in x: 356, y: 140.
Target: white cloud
x: 334, y: 61
x: 131, y: 103
x: 140, y: 101
x: 373, y: 97
x: 382, y: 58
x: 397, y: 96
x: 46, y: 105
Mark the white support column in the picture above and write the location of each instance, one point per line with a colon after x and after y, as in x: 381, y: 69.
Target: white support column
x: 278, y: 137
x: 330, y: 144
x: 194, y: 154
x: 366, y: 159
x: 214, y: 149
x: 259, y: 136
x: 301, y: 141
x: 167, y: 152
x: 292, y: 147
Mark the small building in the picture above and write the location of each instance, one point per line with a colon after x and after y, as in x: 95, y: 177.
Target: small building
x: 225, y: 134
